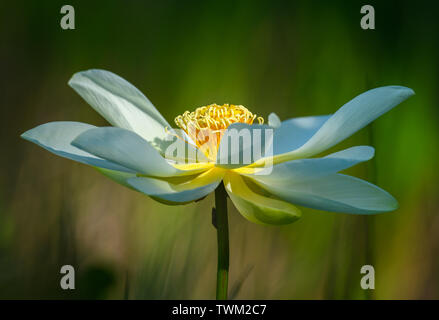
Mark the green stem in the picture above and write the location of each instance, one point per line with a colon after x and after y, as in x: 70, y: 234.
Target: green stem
x: 222, y: 226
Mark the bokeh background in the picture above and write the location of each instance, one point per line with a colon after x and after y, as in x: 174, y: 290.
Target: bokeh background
x: 296, y: 58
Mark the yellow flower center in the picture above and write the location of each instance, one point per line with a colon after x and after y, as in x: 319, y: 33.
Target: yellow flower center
x: 206, y: 125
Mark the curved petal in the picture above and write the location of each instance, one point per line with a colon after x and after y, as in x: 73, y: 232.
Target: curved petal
x: 306, y: 169
x: 179, y: 192
x: 129, y: 150
x: 337, y: 193
x: 122, y: 104
x: 56, y: 138
x: 350, y: 118
x: 256, y: 207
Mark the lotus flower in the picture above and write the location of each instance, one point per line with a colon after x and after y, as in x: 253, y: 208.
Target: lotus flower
x: 134, y: 152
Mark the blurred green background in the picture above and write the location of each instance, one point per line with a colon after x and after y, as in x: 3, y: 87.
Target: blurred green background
x: 295, y: 58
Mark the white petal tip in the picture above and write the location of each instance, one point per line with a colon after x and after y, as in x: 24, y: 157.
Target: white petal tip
x: 25, y: 135
x: 391, y: 204
x: 31, y: 134
x: 370, y: 152
x: 274, y: 120
x: 403, y: 91
x: 79, y: 74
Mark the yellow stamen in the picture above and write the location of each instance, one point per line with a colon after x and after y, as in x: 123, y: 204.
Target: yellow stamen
x: 206, y: 124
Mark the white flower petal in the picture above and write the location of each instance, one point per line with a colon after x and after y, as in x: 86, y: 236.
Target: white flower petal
x: 350, y: 118
x: 174, y: 192
x: 56, y: 138
x: 122, y: 104
x: 336, y: 192
x: 305, y: 169
x: 129, y: 150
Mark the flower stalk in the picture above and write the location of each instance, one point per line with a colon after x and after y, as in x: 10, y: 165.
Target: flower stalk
x: 222, y: 227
